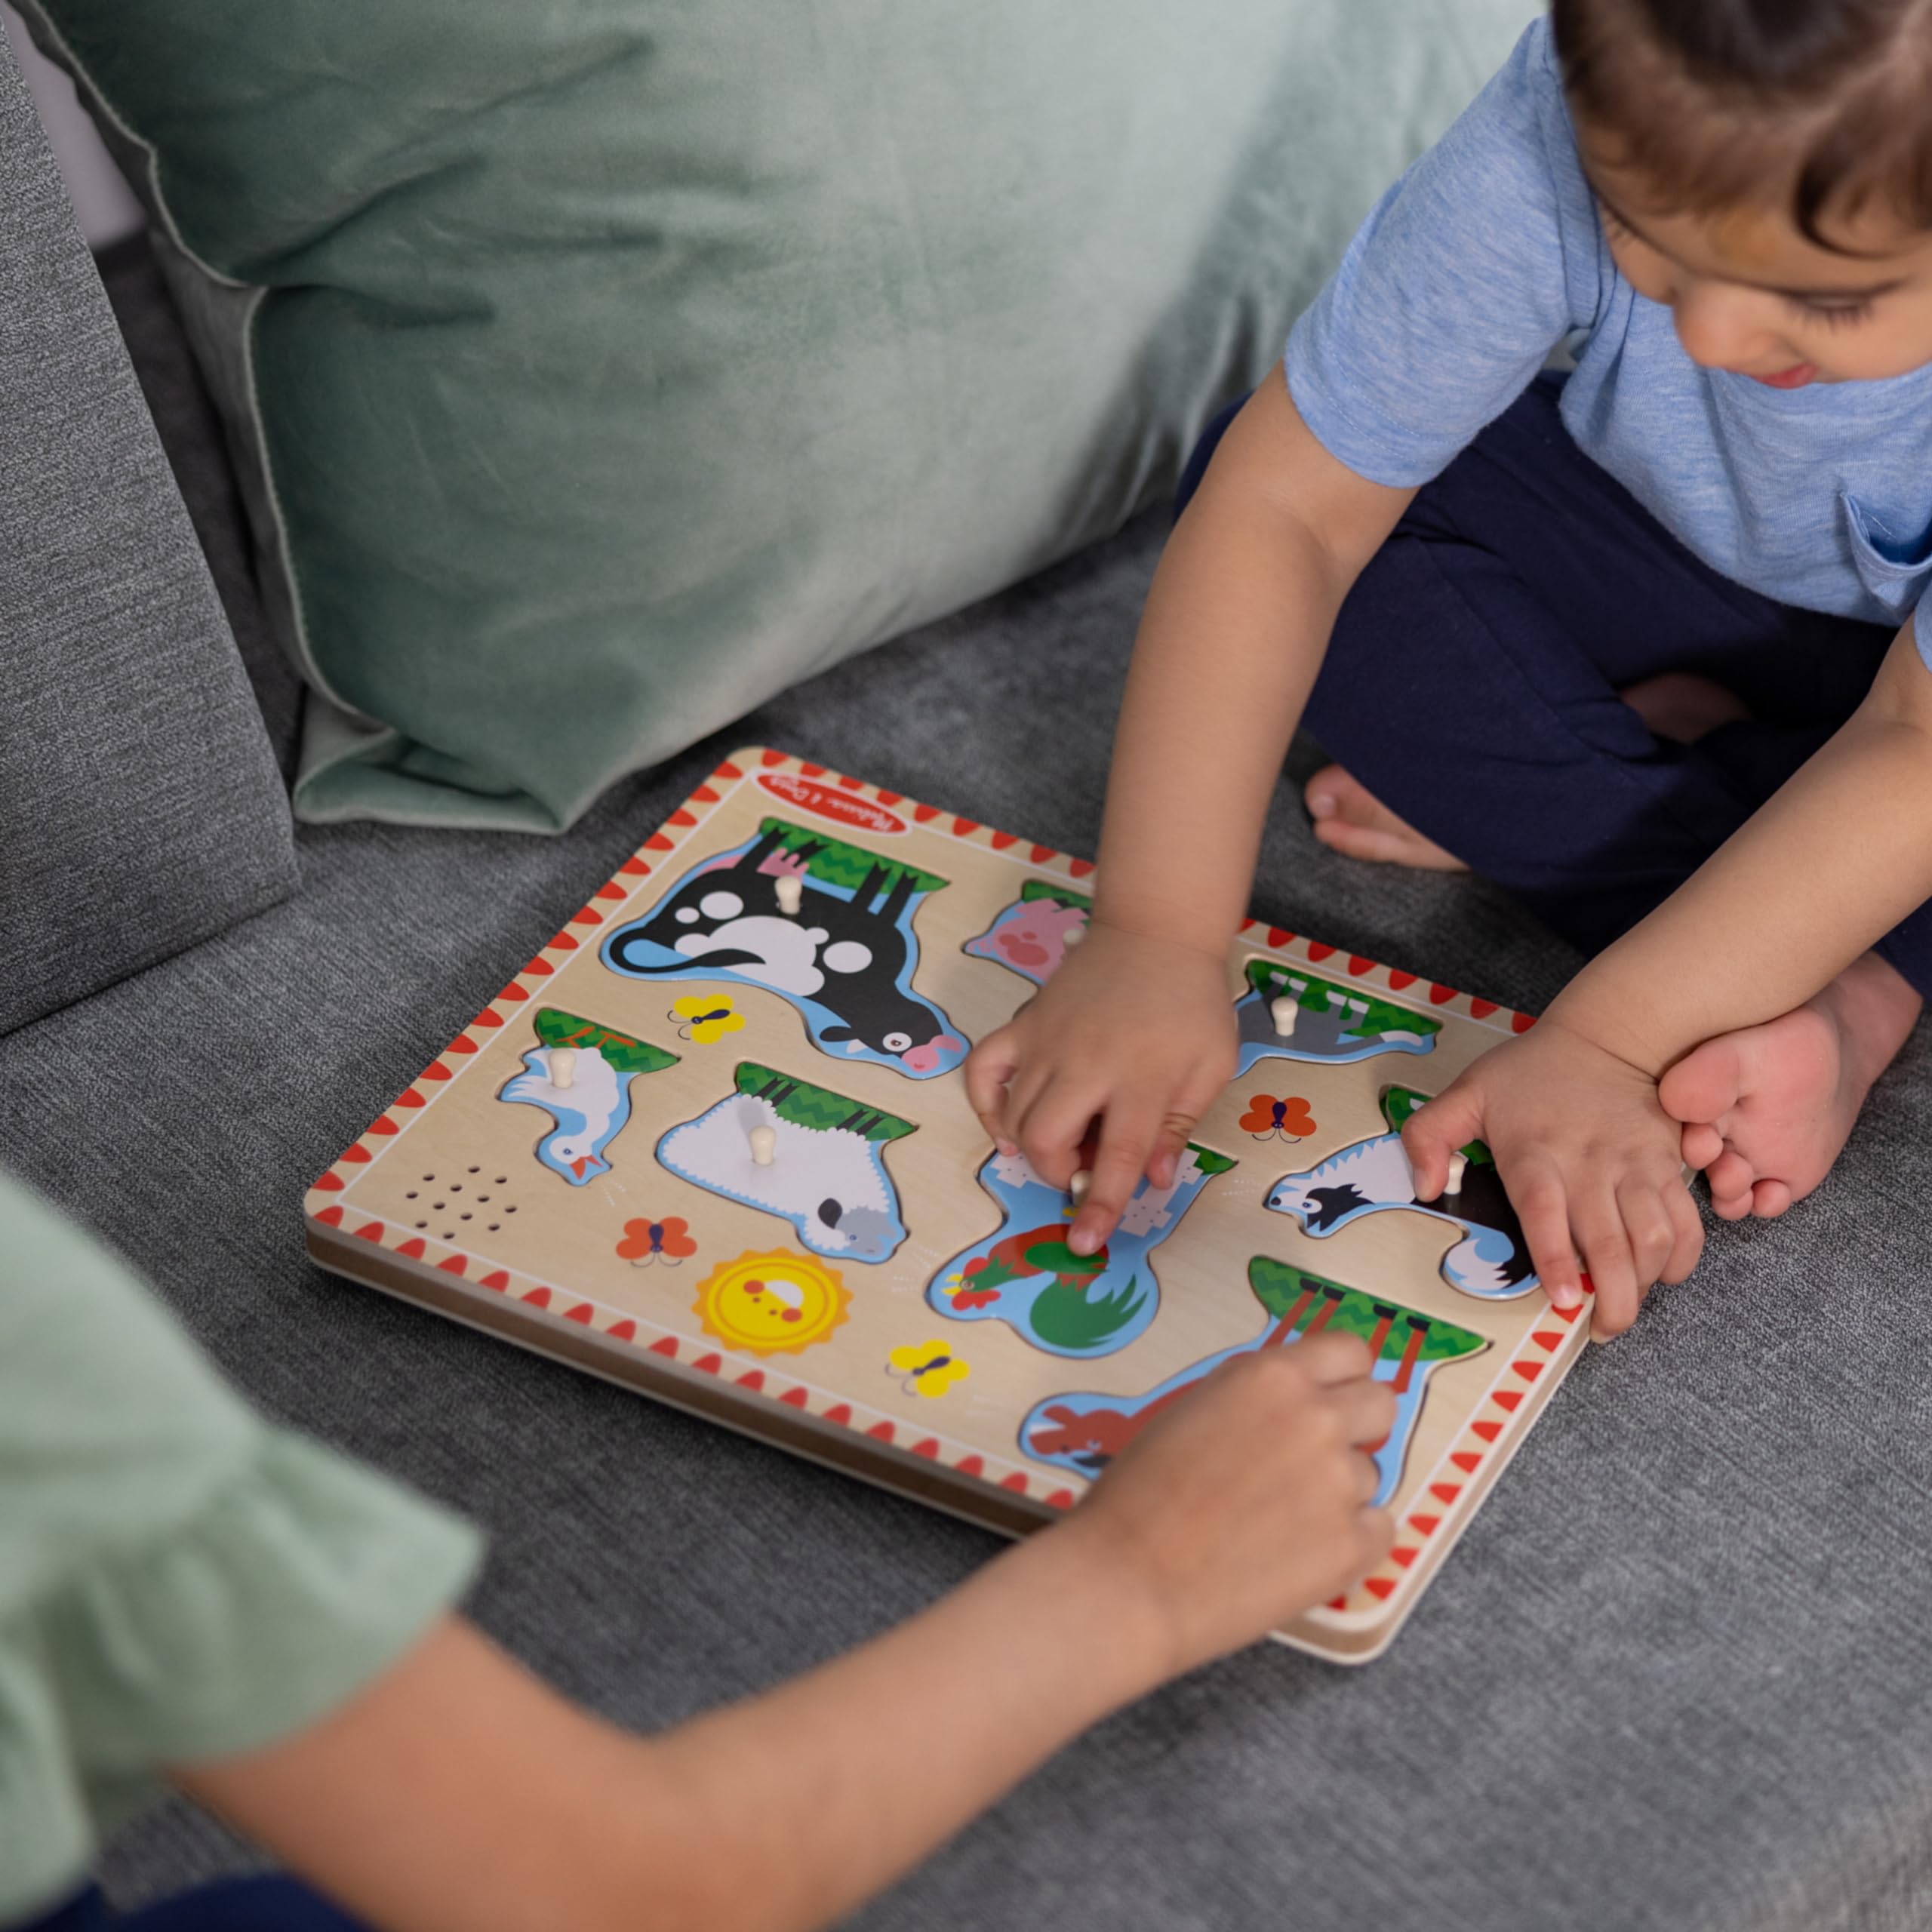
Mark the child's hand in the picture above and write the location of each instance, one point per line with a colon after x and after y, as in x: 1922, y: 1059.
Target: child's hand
x: 1248, y: 1501
x: 1138, y: 1031
x: 1591, y: 1162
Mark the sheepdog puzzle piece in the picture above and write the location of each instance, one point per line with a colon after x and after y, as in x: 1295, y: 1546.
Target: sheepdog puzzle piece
x: 1492, y: 1260
x: 712, y: 1141
x: 1085, y: 1433
x: 823, y: 1169
x: 580, y: 1073
x: 827, y: 925
x: 1024, y: 1275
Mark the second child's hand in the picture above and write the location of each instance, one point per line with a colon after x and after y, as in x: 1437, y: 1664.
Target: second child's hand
x: 1135, y: 1032
x: 1591, y: 1162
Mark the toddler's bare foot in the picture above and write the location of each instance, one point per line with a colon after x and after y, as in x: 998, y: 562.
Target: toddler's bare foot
x: 1348, y: 818
x: 1766, y: 1109
x: 1682, y: 706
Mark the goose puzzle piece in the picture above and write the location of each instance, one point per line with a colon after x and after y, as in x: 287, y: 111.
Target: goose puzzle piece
x: 712, y: 1141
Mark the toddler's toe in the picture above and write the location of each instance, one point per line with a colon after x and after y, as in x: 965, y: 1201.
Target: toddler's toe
x: 1703, y: 1086
x: 1731, y: 1177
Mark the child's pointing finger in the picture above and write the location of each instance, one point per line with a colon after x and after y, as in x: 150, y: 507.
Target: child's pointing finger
x: 1434, y: 1133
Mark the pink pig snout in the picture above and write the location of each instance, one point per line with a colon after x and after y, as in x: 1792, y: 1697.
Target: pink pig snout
x: 924, y: 1059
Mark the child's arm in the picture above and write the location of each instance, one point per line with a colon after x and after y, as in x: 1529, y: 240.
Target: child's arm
x: 1137, y: 1028
x: 458, y: 1792
x: 1836, y: 859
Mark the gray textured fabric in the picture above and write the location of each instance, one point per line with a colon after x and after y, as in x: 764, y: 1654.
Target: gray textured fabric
x: 139, y: 808
x: 190, y: 436
x: 1676, y: 1676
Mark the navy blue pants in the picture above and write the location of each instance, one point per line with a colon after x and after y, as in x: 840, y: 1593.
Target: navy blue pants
x: 270, y: 1904
x: 1472, y: 683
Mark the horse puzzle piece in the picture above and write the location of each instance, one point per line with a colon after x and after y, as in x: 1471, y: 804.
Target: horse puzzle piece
x: 1491, y: 1261
x: 1024, y: 1275
x: 1031, y: 936
x: 588, y: 1095
x: 825, y: 925
x: 824, y: 1170
x: 1331, y: 1022
x: 1085, y: 1432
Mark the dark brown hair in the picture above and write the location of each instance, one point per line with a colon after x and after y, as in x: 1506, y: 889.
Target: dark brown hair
x: 1825, y: 104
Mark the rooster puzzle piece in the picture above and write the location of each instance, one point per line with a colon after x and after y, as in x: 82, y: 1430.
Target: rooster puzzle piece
x: 825, y: 1170
x: 1085, y: 1432
x: 580, y: 1073
x: 1491, y: 1261
x: 844, y: 958
x: 1025, y: 1274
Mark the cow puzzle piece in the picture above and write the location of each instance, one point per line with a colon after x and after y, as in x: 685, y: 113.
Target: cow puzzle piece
x: 844, y: 953
x: 587, y: 1095
x: 1085, y: 1432
x: 825, y: 1168
x: 1491, y: 1261
x: 1032, y: 936
x: 1024, y: 1275
x: 1331, y: 1022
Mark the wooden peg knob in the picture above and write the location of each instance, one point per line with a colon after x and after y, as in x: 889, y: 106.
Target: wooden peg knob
x: 790, y: 891
x: 765, y: 1145
x: 563, y: 1066
x: 1282, y: 1012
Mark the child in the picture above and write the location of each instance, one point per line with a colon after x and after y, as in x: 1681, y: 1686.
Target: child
x: 1639, y: 645
x: 186, y: 1591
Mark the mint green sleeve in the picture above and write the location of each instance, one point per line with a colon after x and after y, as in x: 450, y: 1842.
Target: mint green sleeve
x: 179, y: 1581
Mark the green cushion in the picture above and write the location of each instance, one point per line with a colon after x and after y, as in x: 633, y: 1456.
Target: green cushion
x: 603, y: 366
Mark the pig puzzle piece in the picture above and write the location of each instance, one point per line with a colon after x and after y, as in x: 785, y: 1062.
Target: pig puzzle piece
x: 825, y: 925
x: 826, y: 1171
x: 1328, y: 1021
x: 1024, y: 1275
x: 580, y: 1073
x: 1032, y: 936
x: 1492, y: 1260
x: 1085, y: 1432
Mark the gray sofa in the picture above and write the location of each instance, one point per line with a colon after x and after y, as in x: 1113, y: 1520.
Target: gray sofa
x: 1679, y: 1674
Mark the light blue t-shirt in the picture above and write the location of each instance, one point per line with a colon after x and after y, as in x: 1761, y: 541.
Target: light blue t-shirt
x: 1487, y: 253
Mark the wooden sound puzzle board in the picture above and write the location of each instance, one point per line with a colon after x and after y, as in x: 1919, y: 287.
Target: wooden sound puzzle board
x: 713, y: 1142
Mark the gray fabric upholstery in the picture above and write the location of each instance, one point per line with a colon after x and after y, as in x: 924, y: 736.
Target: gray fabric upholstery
x: 1675, y: 1677
x: 139, y: 809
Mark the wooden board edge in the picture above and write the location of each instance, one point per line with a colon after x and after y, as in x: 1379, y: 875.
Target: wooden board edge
x: 1364, y: 1642
x: 832, y: 1445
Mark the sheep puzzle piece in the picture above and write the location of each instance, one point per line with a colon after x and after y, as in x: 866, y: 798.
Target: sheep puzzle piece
x: 805, y: 1234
